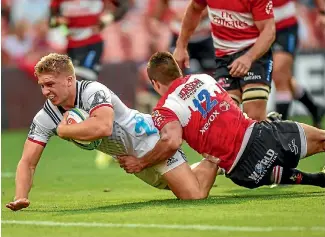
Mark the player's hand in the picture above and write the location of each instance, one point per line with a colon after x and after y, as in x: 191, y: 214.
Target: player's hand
x: 130, y: 164
x: 18, y: 204
x: 211, y: 158
x: 240, y: 66
x: 182, y: 58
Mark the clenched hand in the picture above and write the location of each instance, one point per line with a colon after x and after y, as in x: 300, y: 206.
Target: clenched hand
x: 130, y: 164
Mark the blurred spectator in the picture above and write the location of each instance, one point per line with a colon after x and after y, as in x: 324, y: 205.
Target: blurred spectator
x: 31, y: 11
x: 16, y: 45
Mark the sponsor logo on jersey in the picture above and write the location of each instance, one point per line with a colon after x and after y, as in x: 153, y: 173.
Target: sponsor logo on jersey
x: 228, y: 20
x: 171, y: 161
x: 157, y: 117
x: 189, y: 89
x: 269, y: 7
x: 97, y: 98
x: 224, y: 106
x: 262, y: 165
x: 251, y: 77
x: 293, y: 147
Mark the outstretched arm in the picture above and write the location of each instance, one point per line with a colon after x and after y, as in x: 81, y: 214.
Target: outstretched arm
x: 24, y: 174
x: 170, y: 140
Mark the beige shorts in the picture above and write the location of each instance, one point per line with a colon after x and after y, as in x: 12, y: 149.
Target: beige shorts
x: 153, y: 175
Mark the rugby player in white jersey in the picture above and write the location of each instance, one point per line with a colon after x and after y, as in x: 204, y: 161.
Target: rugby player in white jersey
x: 123, y: 131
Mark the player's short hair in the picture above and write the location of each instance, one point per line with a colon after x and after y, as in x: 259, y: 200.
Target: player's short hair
x: 54, y: 64
x: 163, y: 67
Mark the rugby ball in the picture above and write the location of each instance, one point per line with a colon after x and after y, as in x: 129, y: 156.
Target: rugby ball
x: 77, y: 115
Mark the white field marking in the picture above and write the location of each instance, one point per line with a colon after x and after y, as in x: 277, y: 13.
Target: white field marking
x: 171, y: 227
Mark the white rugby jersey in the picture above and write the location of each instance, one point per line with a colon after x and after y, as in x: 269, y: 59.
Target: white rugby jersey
x: 131, y: 129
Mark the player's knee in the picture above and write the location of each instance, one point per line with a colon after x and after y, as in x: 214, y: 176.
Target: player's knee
x: 254, y: 101
x: 193, y: 194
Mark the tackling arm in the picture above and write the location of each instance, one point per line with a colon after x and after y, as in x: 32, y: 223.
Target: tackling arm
x: 24, y: 175
x: 98, y: 125
x: 170, y: 140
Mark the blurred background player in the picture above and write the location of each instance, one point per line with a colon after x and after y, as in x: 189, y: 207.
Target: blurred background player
x: 284, y: 50
x: 200, y: 45
x: 242, y: 33
x: 85, y: 19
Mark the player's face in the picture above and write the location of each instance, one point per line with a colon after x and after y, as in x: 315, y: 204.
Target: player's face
x: 55, y: 88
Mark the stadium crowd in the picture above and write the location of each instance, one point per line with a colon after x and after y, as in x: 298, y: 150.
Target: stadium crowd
x: 26, y: 36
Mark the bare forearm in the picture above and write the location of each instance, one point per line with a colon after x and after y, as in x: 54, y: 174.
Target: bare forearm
x: 162, y: 151
x: 262, y: 44
x: 190, y: 21
x: 24, y: 180
x: 86, y: 131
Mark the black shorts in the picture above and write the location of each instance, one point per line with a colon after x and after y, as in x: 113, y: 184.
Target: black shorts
x: 286, y: 40
x: 271, y: 143
x: 260, y: 71
x: 203, y: 51
x: 86, y: 60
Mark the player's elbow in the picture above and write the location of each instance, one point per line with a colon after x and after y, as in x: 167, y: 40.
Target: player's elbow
x: 105, y: 130
x: 171, y: 144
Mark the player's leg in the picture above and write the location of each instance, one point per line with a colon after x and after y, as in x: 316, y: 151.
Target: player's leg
x: 184, y: 182
x: 256, y: 87
x: 282, y: 73
x: 255, y: 97
x: 315, y: 139
x: 302, y: 95
x: 285, y: 176
x: 284, y: 49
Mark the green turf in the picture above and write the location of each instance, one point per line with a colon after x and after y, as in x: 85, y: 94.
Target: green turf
x: 69, y: 188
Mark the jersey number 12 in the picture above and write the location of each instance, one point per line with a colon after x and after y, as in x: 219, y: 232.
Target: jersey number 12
x: 204, y: 95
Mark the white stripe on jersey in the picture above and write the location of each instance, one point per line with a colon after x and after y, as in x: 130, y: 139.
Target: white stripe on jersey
x: 231, y: 46
x: 285, y: 11
x: 83, y: 8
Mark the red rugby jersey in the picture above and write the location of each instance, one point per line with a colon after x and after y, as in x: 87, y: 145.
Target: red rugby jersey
x: 212, y: 123
x: 82, y: 16
x: 284, y: 13
x: 232, y: 22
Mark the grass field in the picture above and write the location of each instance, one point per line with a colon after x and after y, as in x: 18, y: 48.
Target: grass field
x: 71, y: 197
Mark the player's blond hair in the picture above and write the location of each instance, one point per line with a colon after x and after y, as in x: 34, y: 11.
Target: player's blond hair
x: 163, y: 67
x: 54, y: 64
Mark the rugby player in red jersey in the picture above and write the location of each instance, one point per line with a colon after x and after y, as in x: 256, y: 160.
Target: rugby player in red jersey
x: 85, y: 19
x: 242, y: 32
x: 200, y: 45
x: 197, y: 109
x: 284, y: 50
